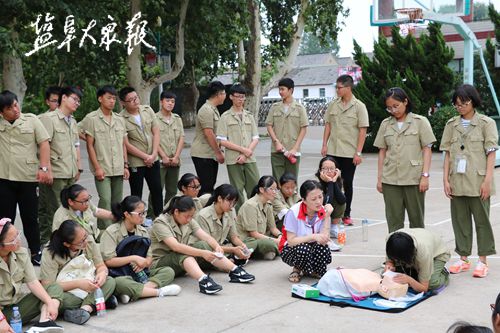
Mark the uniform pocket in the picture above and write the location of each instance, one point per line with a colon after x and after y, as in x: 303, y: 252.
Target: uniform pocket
x: 476, y: 143
x: 411, y: 138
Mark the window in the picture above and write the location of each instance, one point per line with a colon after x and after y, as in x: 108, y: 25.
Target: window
x: 322, y: 92
x: 305, y: 93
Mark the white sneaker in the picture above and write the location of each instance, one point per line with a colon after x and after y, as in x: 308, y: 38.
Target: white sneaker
x: 170, y: 290
x: 269, y: 256
x: 334, y: 230
x: 124, y: 298
x: 334, y: 247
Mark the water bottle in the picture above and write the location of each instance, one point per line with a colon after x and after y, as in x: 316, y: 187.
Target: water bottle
x: 341, y: 237
x: 364, y: 227
x: 100, y: 304
x: 141, y: 276
x: 16, y: 322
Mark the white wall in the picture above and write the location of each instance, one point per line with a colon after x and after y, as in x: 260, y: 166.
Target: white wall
x: 313, y: 91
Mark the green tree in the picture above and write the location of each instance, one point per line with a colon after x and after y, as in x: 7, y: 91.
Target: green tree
x: 311, y: 45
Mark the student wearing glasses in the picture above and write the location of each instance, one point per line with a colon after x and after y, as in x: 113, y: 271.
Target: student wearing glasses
x: 470, y: 141
x: 76, y: 206
x: 404, y: 140
x: 189, y: 184
x: 256, y: 225
x: 495, y: 314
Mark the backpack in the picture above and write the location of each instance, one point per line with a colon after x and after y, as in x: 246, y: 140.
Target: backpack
x: 133, y: 245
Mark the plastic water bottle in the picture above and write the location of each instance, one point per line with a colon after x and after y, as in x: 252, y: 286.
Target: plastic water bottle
x: 16, y: 322
x: 142, y: 277
x: 364, y: 227
x: 100, y: 304
x: 341, y: 236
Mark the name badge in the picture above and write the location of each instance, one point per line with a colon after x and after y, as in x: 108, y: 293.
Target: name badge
x: 461, y: 164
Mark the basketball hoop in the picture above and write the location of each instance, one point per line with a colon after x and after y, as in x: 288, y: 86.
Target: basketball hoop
x: 408, y: 18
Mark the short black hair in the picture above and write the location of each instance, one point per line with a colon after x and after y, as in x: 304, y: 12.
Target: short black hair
x: 399, y: 95
x: 346, y: 80
x: 308, y: 186
x: 237, y: 88
x: 287, y: 177
x: 465, y: 327
x: 465, y: 93
x: 68, y: 91
x: 124, y: 92
x: 167, y: 95
x: 286, y: 82
x: 52, y: 90
x: 214, y: 88
x: 107, y: 89
x: 7, y: 98
x: 225, y: 191
x: 400, y: 248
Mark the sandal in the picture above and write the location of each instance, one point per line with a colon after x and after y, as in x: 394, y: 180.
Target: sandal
x: 295, y: 276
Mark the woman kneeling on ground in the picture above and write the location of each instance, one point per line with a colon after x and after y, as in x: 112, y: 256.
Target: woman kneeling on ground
x: 304, y: 244
x: 419, y: 256
x: 130, y: 215
x: 173, y: 247
x: 67, y: 243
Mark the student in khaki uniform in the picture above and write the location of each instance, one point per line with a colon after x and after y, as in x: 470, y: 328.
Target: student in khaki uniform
x: 66, y: 243
x: 470, y: 141
x: 76, y: 206
x: 404, y: 140
x: 346, y: 122
x: 286, y: 124
x: 419, y: 256
x: 171, y: 144
x: 129, y: 215
x: 285, y: 198
x: 238, y: 133
x: 15, y: 270
x: 171, y: 245
x: 142, y: 147
x: 22, y: 136
x: 218, y: 219
x: 64, y: 155
x: 189, y: 184
x: 255, y: 223
x: 205, y: 151
x: 52, y: 98
x: 105, y: 134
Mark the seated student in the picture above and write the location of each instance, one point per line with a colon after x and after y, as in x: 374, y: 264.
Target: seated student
x: 419, y: 256
x: 306, y: 233
x: 218, y: 219
x: 76, y: 206
x: 70, y: 243
x: 285, y: 198
x: 15, y: 269
x: 189, y: 184
x: 170, y: 236
x: 130, y: 215
x: 255, y: 222
x: 495, y: 315
x: 465, y: 327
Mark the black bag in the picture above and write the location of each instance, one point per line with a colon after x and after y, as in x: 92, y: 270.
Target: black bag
x: 133, y: 245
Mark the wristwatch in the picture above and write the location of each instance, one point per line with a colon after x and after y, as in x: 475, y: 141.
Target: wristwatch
x: 358, y: 153
x: 43, y: 168
x: 425, y: 174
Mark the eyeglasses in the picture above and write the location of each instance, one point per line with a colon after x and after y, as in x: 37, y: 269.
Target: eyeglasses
x: 84, y: 202
x: 195, y: 187
x: 328, y: 169
x: 76, y: 100
x: 53, y: 101
x: 231, y: 202
x: 132, y: 100
x: 460, y: 106
x: 15, y: 240
x: 492, y: 306
x: 392, y: 108
x: 339, y: 87
x: 79, y: 244
x: 272, y: 189
x: 141, y: 214
x: 239, y: 96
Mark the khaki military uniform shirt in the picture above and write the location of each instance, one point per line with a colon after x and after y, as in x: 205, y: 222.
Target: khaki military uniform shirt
x: 403, y: 162
x: 480, y: 136
x: 219, y: 229
x: 64, y: 141
x: 255, y: 216
x: 164, y: 227
x: 208, y: 117
x: 280, y: 204
x: 12, y: 276
x: 141, y: 138
x: 108, y: 141
x: 287, y: 125
x: 86, y: 219
x: 19, y: 147
x: 345, y: 122
x: 114, y: 234
x: 50, y: 267
x: 240, y: 131
x: 170, y: 133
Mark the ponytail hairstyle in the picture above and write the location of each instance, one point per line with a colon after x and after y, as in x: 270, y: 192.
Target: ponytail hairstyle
x: 65, y: 234
x: 182, y: 203
x: 70, y: 192
x: 185, y: 180
x: 128, y: 204
x: 265, y: 182
x: 225, y: 191
x: 5, y: 224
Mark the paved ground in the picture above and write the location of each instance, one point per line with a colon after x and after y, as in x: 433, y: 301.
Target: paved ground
x: 266, y: 305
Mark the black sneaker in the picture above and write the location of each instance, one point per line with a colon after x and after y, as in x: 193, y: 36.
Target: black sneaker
x: 46, y: 326
x: 240, y: 275
x: 36, y: 259
x: 209, y: 286
x: 76, y: 316
x: 111, y: 302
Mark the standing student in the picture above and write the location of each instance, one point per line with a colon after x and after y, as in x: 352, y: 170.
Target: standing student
x: 470, y: 141
x: 404, y: 140
x: 171, y: 144
x: 171, y: 236
x: 346, y: 122
x: 255, y: 224
x: 129, y: 215
x: 15, y: 270
x: 64, y: 155
x: 142, y: 147
x: 238, y: 133
x: 205, y: 151
x: 285, y: 198
x: 106, y: 135
x: 52, y: 98
x: 24, y: 162
x: 286, y: 124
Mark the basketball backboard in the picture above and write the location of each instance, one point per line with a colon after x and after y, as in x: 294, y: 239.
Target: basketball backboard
x: 385, y: 12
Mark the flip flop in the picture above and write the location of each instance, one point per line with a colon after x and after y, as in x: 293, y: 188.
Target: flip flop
x: 295, y: 276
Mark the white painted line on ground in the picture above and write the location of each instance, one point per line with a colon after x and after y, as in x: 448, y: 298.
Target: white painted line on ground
x: 383, y: 255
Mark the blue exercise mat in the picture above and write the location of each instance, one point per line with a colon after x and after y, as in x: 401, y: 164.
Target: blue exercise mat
x: 367, y: 303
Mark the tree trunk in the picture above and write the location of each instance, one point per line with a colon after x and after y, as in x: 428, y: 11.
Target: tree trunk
x: 253, y: 60
x: 241, y: 61
x: 13, y: 76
